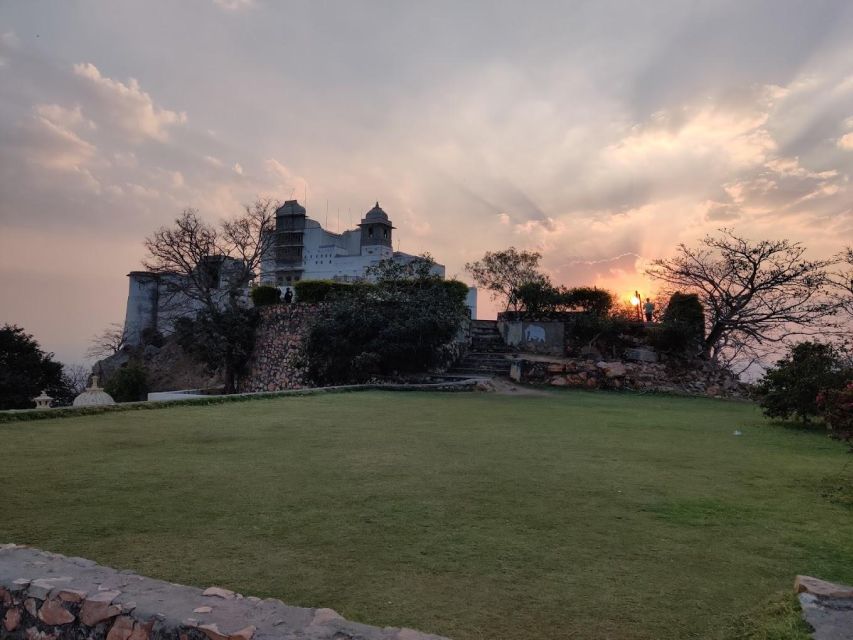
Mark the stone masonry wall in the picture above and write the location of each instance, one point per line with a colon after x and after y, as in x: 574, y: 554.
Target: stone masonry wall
x: 47, y: 596
x: 695, y: 378
x: 276, y: 362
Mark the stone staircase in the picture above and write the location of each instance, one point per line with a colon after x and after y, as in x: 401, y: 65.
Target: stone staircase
x: 488, y: 357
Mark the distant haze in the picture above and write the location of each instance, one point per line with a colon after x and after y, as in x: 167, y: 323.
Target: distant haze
x: 599, y: 133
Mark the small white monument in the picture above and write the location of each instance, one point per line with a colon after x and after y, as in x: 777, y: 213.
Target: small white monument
x: 93, y: 396
x: 43, y: 401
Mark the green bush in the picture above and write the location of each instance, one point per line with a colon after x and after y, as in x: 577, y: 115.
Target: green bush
x: 792, y: 387
x: 538, y: 296
x: 836, y: 406
x: 150, y: 336
x: 264, y: 295
x: 128, y: 384
x: 313, y: 291
x: 593, y: 300
x: 391, y: 328
x: 682, y: 326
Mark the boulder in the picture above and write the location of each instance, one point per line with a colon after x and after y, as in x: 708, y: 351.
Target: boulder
x: 612, y: 369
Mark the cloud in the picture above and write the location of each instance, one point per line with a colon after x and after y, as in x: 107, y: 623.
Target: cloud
x: 234, y: 5
x: 128, y: 107
x: 846, y: 141
x: 49, y: 139
x: 238, y: 169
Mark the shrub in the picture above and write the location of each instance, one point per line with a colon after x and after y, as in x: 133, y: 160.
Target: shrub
x: 128, y: 384
x: 319, y: 290
x: 686, y: 310
x: 593, y: 300
x: 150, y: 336
x: 538, y: 296
x: 264, y: 295
x: 836, y: 406
x: 793, y: 385
x: 391, y: 328
x: 682, y: 326
x: 607, y: 334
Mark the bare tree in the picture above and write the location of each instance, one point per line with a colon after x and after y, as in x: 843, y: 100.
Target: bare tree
x: 206, y: 269
x: 504, y: 272
x: 755, y: 294
x: 108, y: 342
x: 842, y: 282
x: 76, y: 377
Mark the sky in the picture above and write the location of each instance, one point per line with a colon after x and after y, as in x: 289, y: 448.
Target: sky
x: 600, y: 133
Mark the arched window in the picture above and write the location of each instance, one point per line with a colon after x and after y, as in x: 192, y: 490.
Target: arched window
x: 370, y: 232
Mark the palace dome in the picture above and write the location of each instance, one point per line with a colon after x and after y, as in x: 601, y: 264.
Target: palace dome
x: 376, y: 214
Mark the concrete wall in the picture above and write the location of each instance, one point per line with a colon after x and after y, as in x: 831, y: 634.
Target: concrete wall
x: 534, y: 337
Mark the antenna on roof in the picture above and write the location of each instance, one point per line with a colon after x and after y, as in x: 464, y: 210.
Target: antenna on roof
x: 327, y: 214
x: 338, y: 223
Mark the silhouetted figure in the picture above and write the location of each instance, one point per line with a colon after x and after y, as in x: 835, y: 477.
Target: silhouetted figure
x: 649, y: 309
x: 288, y: 295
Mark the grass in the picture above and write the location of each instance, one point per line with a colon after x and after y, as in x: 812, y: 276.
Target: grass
x: 578, y: 515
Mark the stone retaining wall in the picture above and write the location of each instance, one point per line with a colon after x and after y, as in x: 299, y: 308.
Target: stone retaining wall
x: 276, y: 362
x: 693, y: 379
x: 46, y: 596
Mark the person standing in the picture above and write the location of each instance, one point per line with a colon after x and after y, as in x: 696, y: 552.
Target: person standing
x: 649, y: 309
x: 288, y: 295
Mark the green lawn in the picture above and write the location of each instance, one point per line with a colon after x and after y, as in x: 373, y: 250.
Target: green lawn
x: 587, y: 515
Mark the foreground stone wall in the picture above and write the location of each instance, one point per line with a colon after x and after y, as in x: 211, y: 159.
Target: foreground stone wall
x: 696, y: 378
x: 276, y: 362
x: 46, y: 596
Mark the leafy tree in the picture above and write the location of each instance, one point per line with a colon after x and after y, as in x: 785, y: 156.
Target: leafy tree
x: 538, y: 296
x: 128, y: 384
x: 220, y: 338
x: 420, y: 268
x: 504, y: 272
x: 396, y: 326
x: 682, y: 326
x: 207, y: 270
x: 26, y: 370
x: 589, y: 299
x: 754, y: 294
x: 108, y: 342
x: 793, y: 385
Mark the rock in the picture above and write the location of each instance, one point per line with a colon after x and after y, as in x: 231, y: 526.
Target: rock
x: 243, y: 634
x: 557, y: 381
x: 72, y: 595
x: 641, y: 355
x: 52, y: 613
x: 219, y: 592
x: 142, y: 631
x: 590, y: 353
x: 555, y: 367
x: 212, y: 632
x: 713, y: 390
x: 31, y: 607
x: 121, y: 629
x: 322, y: 616
x: 822, y: 588
x: 12, y: 619
x: 202, y: 610
x: 612, y: 369
x: 98, y: 607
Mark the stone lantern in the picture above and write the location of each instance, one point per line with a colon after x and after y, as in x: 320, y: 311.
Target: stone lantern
x: 43, y: 401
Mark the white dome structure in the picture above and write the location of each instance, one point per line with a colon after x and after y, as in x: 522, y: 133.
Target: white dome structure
x: 94, y: 396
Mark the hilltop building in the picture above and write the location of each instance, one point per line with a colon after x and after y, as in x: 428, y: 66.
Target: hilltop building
x: 301, y: 250
x: 304, y: 250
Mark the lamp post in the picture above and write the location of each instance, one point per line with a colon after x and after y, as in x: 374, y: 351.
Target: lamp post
x: 637, y: 302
